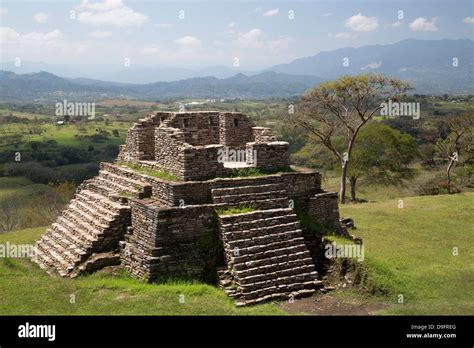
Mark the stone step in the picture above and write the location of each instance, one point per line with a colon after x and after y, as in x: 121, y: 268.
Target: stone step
x: 282, y: 237
x: 283, y: 283
x: 250, y: 197
x: 253, y: 235
x: 77, y: 245
x: 79, y: 231
x: 272, y: 266
x: 116, y: 187
x: 239, y: 227
x: 86, y: 217
x: 229, y: 191
x: 87, y: 195
x: 269, y: 253
x: 76, y: 219
x: 256, y: 216
x: 270, y: 260
x: 60, y: 262
x: 263, y: 204
x: 96, y: 187
x: 266, y: 276
x: 262, y: 248
x: 82, y: 241
x: 94, y: 209
x: 122, y: 180
x: 280, y: 293
x: 62, y: 249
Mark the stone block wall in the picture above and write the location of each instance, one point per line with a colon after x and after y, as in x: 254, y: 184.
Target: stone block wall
x: 263, y: 135
x: 323, y: 207
x: 201, y: 162
x: 199, y: 128
x: 235, y: 130
x: 179, y: 242
x: 268, y: 156
x: 140, y: 142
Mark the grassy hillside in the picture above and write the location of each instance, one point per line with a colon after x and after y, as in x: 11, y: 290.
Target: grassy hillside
x: 409, y: 251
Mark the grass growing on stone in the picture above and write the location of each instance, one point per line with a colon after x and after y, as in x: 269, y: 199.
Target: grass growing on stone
x: 160, y: 174
x: 236, y: 210
x: 410, y: 251
x: 251, y: 171
x: 27, y: 290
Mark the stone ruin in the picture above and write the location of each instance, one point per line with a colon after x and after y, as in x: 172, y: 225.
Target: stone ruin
x: 176, y: 227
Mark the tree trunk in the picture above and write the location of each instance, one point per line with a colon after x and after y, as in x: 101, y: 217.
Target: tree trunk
x: 353, y: 181
x: 342, y: 191
x: 448, y: 175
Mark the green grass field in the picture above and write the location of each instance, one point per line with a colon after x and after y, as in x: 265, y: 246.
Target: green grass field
x: 410, y: 251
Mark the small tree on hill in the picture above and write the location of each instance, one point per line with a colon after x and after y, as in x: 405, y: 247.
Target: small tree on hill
x: 340, y: 108
x: 456, y: 143
x: 381, y: 154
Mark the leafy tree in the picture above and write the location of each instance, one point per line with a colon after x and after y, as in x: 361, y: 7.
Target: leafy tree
x: 381, y: 154
x: 455, y: 139
x: 340, y: 108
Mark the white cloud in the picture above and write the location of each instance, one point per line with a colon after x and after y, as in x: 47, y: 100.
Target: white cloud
x: 43, y: 37
x: 250, y: 39
x: 231, y: 24
x: 374, y: 65
x: 3, y: 11
x: 360, y: 22
x: 343, y: 35
x: 396, y: 24
x: 255, y: 39
x: 100, y: 34
x: 151, y: 49
x: 39, y: 45
x: 271, y: 13
x: 109, y: 12
x: 327, y: 14
x: 422, y: 24
x: 41, y: 17
x: 8, y: 34
x: 468, y: 20
x: 188, y: 41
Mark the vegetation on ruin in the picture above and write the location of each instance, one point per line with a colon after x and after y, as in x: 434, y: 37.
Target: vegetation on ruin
x: 160, y: 174
x: 251, y: 171
x: 243, y: 208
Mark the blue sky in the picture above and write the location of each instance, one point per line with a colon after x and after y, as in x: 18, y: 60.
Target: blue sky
x: 258, y: 34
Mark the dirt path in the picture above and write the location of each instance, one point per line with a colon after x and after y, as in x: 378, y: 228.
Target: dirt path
x: 329, y: 305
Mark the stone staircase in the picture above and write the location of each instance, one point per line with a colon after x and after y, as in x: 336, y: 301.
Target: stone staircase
x: 85, y: 235
x: 266, y: 255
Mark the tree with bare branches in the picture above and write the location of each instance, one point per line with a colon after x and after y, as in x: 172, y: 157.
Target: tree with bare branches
x: 459, y: 139
x: 340, y: 108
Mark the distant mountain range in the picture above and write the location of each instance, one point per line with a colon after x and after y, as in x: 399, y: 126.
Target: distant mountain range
x: 428, y: 64
x: 433, y: 66
x: 44, y: 87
